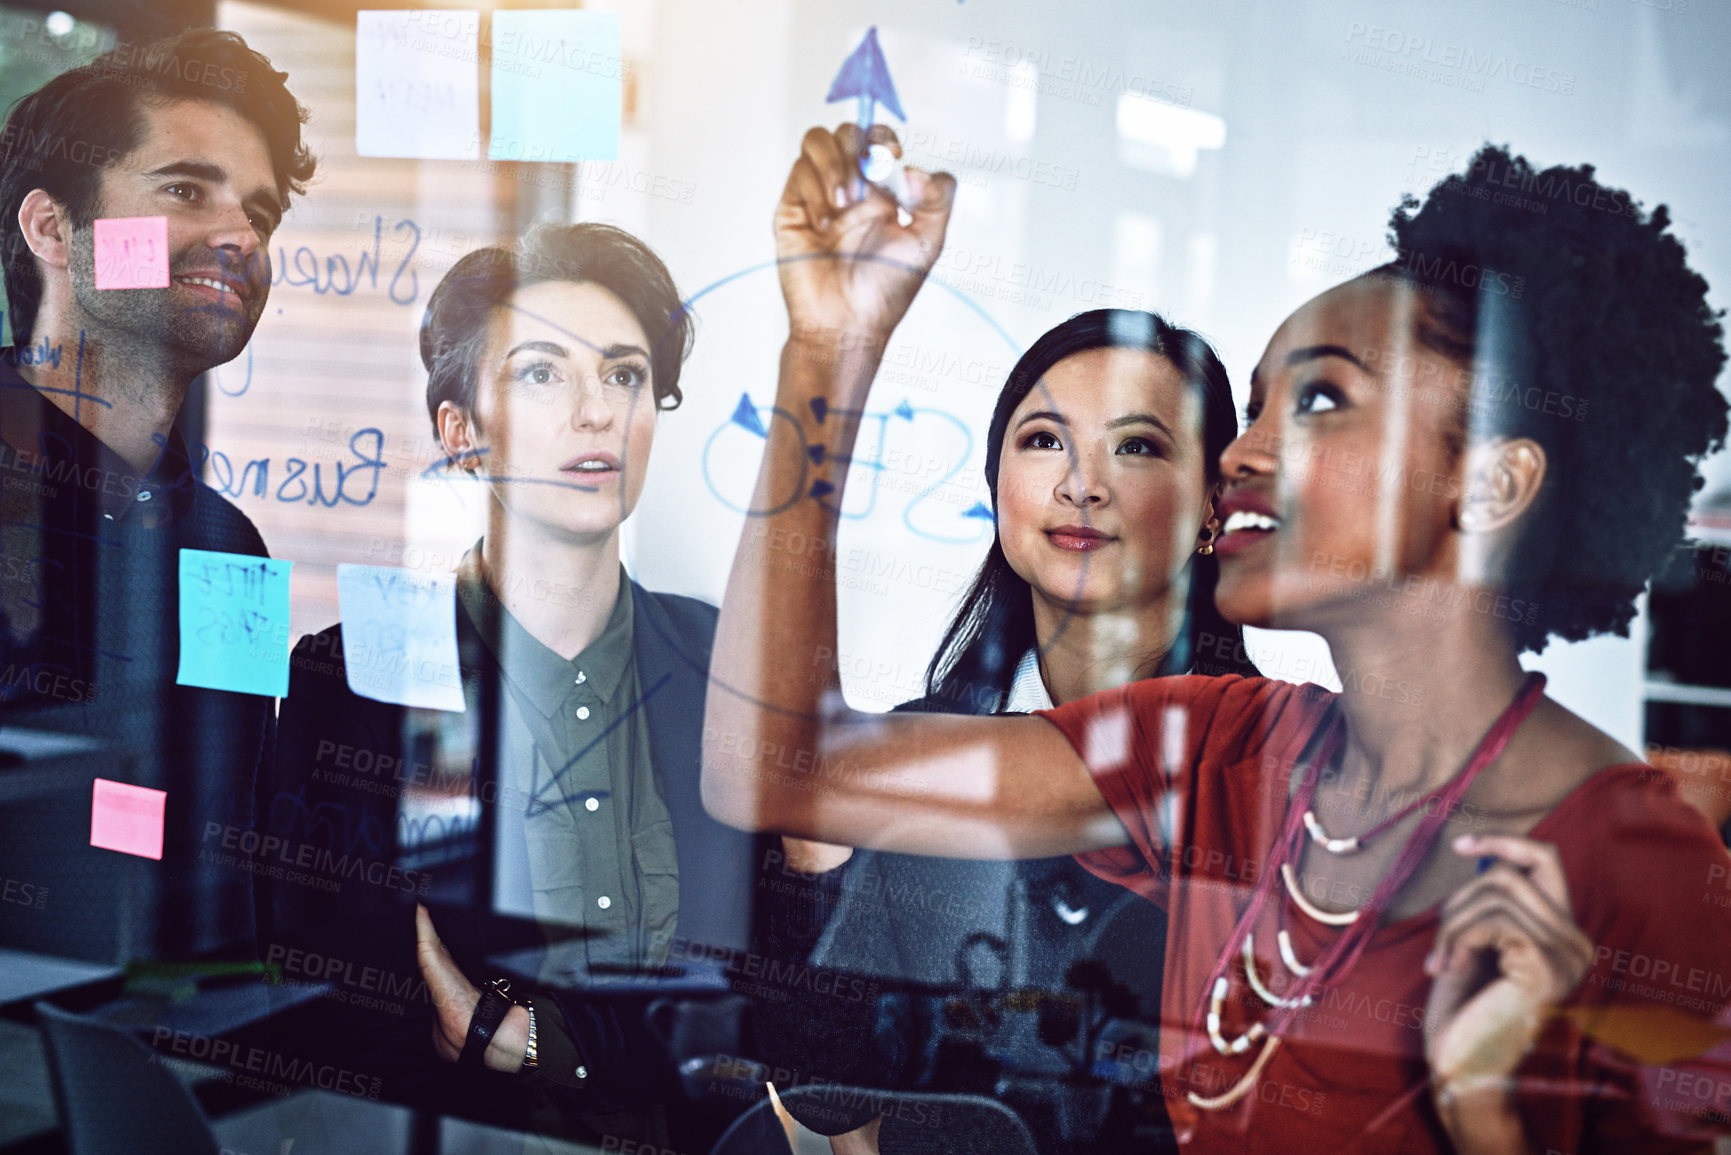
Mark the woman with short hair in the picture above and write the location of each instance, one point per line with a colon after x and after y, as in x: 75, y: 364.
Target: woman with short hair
x: 567, y: 789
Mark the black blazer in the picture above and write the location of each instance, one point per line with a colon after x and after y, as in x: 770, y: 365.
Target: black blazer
x: 90, y: 645
x: 349, y: 817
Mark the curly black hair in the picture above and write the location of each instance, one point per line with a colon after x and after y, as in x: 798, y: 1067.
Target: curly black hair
x: 60, y: 137
x: 1586, y: 331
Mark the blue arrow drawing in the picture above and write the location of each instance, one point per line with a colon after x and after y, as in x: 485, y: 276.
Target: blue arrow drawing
x: 904, y: 410
x: 980, y: 511
x: 865, y: 76
x: 745, y: 415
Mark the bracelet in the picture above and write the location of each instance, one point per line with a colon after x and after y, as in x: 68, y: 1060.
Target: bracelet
x: 488, y: 1014
x: 531, y: 1056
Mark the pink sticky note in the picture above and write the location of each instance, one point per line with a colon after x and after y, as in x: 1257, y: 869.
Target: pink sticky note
x: 132, y: 252
x: 127, y: 818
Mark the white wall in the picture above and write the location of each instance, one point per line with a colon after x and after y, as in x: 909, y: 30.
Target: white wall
x: 1328, y: 118
x: 1325, y: 128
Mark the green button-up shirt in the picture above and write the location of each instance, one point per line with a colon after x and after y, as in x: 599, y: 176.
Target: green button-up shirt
x: 585, y: 841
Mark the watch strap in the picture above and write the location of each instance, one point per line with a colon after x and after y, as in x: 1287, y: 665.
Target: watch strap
x: 489, y: 1013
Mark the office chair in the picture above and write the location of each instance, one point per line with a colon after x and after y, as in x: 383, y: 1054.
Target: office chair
x: 114, y: 1096
x: 914, y: 1124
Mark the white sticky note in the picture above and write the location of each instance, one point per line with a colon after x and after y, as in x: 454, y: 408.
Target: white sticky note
x: 418, y: 84
x: 557, y: 78
x: 400, y: 635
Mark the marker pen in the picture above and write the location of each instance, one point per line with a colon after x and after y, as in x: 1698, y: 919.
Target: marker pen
x: 881, y: 167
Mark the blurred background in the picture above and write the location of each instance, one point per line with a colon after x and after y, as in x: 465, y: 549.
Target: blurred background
x: 1219, y: 162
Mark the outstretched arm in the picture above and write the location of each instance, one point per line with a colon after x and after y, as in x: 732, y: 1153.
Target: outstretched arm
x: 782, y: 751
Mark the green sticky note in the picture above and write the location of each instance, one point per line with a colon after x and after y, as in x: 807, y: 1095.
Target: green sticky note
x: 234, y: 622
x: 556, y: 86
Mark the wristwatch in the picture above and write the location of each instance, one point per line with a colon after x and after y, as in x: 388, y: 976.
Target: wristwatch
x: 495, y: 1001
x: 531, y: 1056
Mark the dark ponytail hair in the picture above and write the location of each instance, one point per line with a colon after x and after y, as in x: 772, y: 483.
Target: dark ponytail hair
x: 975, y: 663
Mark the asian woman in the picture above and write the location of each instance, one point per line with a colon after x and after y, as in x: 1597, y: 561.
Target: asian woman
x: 1102, y: 463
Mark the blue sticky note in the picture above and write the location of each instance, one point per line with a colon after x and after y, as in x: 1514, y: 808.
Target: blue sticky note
x: 556, y: 86
x: 234, y: 622
x: 400, y: 635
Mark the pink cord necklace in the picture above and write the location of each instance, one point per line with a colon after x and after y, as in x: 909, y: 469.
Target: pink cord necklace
x: 1358, y: 926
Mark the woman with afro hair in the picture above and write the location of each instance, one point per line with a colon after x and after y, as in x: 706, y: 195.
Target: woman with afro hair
x: 1433, y: 912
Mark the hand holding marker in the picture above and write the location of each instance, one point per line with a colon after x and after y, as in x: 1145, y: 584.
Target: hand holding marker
x: 864, y: 75
x: 882, y: 168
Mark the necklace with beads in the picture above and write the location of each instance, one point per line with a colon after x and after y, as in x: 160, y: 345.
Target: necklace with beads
x: 1356, y: 927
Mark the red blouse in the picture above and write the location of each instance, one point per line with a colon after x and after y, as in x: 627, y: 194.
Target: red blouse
x: 1198, y: 771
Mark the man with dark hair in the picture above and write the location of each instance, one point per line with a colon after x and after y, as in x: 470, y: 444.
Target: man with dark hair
x: 98, y: 495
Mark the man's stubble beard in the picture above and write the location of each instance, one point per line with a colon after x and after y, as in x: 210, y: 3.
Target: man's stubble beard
x: 148, y: 322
